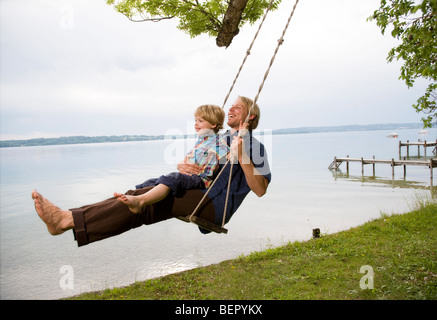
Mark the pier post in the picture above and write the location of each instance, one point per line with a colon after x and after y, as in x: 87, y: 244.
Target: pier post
x: 400, y: 145
x: 393, y: 168
x: 425, y: 148
x: 405, y: 170
x: 374, y: 167
x: 362, y: 166
x: 347, y: 165
x: 316, y: 233
x: 408, y: 149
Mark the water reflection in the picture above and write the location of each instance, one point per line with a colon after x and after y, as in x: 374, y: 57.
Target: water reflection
x: 385, y: 182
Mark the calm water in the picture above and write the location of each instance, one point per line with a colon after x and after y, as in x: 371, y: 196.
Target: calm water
x: 303, y: 195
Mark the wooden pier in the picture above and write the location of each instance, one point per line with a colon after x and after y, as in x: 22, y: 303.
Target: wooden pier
x: 419, y: 144
x: 430, y: 163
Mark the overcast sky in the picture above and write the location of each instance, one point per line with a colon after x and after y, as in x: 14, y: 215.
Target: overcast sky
x: 81, y: 68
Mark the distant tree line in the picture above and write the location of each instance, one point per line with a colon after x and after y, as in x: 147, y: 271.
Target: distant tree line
x: 76, y: 140
x: 101, y: 139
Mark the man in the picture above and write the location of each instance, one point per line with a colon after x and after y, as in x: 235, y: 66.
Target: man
x: 111, y: 217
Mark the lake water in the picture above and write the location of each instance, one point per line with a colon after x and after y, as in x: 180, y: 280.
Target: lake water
x: 303, y: 195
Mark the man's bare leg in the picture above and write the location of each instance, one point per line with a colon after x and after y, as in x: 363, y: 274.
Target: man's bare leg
x: 58, y: 221
x: 137, y: 203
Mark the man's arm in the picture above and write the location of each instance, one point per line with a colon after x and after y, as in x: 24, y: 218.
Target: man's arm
x: 256, y: 182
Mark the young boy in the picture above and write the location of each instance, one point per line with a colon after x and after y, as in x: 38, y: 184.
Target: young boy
x: 207, y: 152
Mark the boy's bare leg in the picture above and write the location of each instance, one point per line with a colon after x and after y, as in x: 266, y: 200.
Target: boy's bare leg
x: 57, y: 220
x: 137, y: 203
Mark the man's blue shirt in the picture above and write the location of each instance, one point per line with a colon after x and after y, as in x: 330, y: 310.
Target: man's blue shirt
x: 239, y: 187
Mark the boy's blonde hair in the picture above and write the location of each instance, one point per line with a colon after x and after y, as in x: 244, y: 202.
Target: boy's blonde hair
x: 254, y: 112
x: 213, y: 114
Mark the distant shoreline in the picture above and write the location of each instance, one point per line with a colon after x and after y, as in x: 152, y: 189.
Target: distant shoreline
x: 125, y: 138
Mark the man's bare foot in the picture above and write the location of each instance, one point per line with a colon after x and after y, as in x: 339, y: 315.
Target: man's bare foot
x: 134, y: 203
x: 58, y: 221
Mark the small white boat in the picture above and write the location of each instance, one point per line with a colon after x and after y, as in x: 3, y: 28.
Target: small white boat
x: 392, y: 135
x: 423, y: 131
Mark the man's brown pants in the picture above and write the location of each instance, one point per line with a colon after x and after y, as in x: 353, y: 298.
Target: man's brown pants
x: 111, y: 217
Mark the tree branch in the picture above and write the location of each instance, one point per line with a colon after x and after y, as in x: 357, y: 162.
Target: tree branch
x: 230, y: 23
x: 151, y: 19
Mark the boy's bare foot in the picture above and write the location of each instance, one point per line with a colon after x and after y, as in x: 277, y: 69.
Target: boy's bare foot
x: 58, y: 221
x: 133, y: 202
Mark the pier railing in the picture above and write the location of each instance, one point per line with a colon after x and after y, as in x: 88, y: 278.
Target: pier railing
x: 419, y: 144
x: 430, y: 163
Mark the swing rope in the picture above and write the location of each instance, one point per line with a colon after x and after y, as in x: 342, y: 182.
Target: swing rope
x: 280, y: 42
x: 232, y: 156
x: 247, y: 54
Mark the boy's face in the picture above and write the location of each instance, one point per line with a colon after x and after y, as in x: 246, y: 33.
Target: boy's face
x: 237, y: 114
x: 202, y: 126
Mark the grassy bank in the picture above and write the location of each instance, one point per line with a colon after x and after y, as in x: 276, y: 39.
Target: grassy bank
x: 401, y: 250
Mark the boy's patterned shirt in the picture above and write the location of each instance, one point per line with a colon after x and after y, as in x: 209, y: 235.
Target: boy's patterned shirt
x: 207, y: 152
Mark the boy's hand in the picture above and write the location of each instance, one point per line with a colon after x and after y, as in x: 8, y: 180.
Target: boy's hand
x: 186, y: 167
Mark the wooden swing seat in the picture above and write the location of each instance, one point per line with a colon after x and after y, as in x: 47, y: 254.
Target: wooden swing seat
x: 203, y: 224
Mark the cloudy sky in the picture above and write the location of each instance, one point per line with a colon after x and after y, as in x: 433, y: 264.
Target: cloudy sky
x: 78, y: 67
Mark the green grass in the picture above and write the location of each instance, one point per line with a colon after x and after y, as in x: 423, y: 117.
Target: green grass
x: 401, y: 250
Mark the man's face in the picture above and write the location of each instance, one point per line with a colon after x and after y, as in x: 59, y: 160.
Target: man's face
x: 236, y: 114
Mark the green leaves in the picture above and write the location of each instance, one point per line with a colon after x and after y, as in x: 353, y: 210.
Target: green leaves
x: 415, y: 25
x: 195, y: 17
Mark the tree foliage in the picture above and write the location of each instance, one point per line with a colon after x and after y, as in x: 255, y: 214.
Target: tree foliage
x: 414, y: 23
x: 195, y: 17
